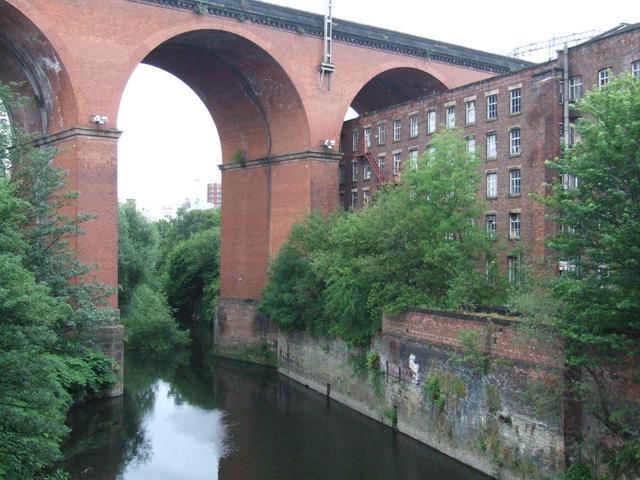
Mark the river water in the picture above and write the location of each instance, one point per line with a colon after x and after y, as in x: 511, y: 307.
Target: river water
x: 191, y: 416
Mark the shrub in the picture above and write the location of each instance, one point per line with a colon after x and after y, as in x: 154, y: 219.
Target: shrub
x: 149, y: 326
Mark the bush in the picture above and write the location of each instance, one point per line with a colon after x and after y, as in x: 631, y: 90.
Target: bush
x: 149, y: 325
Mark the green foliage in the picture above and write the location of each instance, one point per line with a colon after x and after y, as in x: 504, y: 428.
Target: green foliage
x: 493, y: 397
x: 45, y: 308
x: 441, y: 387
x: 137, y: 252
x: 193, y: 269
x: 473, y: 355
x: 600, y: 301
x: 373, y: 360
x: 149, y: 325
x: 337, y: 275
x: 200, y: 9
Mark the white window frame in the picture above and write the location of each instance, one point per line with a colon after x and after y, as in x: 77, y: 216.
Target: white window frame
x: 382, y: 162
x: 450, y: 116
x: 515, y: 101
x: 382, y: 134
x: 470, y: 112
x: 515, y: 225
x: 431, y: 121
x: 366, y: 196
x: 366, y: 171
x: 515, y: 141
x: 355, y: 138
x: 354, y: 171
x: 635, y: 69
x: 367, y: 137
x: 569, y: 182
x: 575, y: 88
x: 604, y: 76
x: 492, y: 106
x: 413, y: 158
x: 397, y: 162
x: 354, y: 199
x: 397, y: 130
x: 515, y: 182
x: 471, y: 145
x: 491, y: 222
x: 492, y: 146
x: 413, y: 126
x: 513, y: 268
x: 492, y: 184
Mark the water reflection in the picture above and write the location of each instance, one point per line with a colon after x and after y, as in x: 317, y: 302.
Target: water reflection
x: 192, y: 417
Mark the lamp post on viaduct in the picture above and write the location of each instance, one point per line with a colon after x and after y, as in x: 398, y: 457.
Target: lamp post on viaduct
x: 256, y: 68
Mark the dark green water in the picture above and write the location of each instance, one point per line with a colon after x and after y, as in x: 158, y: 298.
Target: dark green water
x: 194, y: 417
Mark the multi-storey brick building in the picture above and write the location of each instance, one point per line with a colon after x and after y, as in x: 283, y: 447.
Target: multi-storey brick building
x: 513, y: 123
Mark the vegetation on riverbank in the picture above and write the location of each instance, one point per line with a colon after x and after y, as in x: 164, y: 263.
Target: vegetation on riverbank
x: 416, y: 244
x: 48, y: 310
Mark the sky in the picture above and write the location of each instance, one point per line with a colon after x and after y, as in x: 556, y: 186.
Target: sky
x: 177, y: 158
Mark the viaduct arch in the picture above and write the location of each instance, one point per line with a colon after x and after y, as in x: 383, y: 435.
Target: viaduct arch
x: 255, y: 67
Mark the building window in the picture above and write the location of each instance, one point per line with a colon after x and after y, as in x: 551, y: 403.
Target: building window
x: 354, y: 171
x: 366, y: 171
x: 397, y: 163
x: 569, y: 182
x: 513, y: 264
x: 514, y: 141
x: 492, y: 185
x: 431, y: 121
x: 470, y: 112
x: 471, y: 145
x: 342, y: 200
x: 515, y: 101
x: 366, y: 196
x: 492, y: 225
x: 382, y: 134
x: 381, y: 163
x: 431, y: 153
x: 397, y: 125
x: 343, y: 176
x: 413, y: 126
x: 635, y: 69
x: 492, y: 145
x: 514, y: 226
x: 354, y: 139
x: 354, y: 199
x: 367, y: 137
x: 413, y: 158
x: 492, y: 107
x: 514, y: 182
x: 575, y: 88
x: 450, y: 117
x: 604, y: 76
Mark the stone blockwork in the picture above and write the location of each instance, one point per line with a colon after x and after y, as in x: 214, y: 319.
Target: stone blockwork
x: 109, y: 340
x: 463, y: 384
x: 241, y: 332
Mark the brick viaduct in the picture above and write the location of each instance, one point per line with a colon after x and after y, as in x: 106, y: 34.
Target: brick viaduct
x: 255, y: 67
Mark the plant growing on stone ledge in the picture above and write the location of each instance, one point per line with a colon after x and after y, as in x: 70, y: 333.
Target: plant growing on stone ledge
x: 200, y: 9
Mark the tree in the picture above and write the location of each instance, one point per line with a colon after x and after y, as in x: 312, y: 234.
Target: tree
x: 594, y: 307
x: 417, y: 244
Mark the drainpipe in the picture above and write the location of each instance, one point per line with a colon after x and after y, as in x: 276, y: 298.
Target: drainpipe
x: 565, y: 93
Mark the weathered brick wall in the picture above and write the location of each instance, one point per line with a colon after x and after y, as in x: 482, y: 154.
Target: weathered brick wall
x: 109, y: 340
x: 482, y: 414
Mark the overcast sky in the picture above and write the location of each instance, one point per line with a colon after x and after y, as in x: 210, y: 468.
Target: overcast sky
x: 170, y: 150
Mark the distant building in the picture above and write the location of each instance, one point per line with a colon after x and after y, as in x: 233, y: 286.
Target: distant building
x: 214, y: 194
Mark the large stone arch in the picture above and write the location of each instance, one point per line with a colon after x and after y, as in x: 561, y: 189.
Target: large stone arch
x: 255, y: 105
x: 30, y: 60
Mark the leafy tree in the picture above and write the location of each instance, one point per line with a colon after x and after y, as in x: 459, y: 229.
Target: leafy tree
x: 594, y: 307
x: 193, y: 269
x: 415, y: 245
x: 137, y: 252
x: 45, y: 365
x: 150, y: 327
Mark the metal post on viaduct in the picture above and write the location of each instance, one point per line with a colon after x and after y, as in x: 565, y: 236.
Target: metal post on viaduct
x: 256, y: 68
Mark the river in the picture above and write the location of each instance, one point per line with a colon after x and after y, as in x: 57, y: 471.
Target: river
x: 191, y: 416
